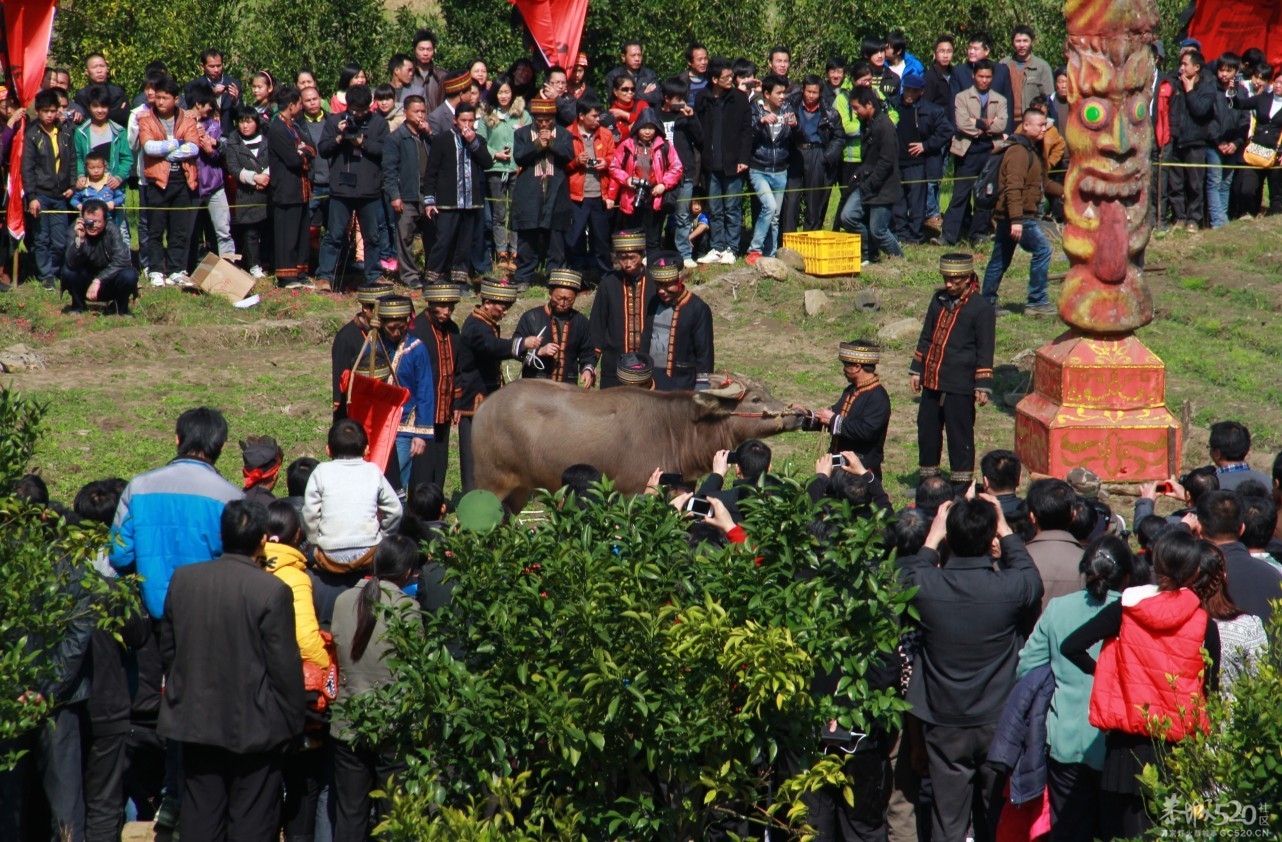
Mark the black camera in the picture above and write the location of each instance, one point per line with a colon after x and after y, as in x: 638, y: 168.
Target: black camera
x: 90, y: 224
x: 732, y: 458
x: 593, y: 163
x: 354, y: 127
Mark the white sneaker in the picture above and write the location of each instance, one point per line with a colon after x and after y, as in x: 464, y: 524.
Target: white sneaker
x: 178, y: 279
x: 713, y: 256
x: 157, y: 279
x: 690, y: 264
x: 257, y: 272
x: 727, y: 258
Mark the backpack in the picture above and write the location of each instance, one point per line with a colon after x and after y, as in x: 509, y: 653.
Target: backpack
x: 986, y: 190
x: 322, y: 684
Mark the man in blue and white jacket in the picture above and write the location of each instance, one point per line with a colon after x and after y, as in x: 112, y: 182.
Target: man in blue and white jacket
x: 169, y: 517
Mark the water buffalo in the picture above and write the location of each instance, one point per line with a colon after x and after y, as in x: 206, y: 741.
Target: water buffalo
x: 527, y: 433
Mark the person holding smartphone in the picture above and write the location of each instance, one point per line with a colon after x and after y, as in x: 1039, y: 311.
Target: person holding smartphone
x: 97, y: 264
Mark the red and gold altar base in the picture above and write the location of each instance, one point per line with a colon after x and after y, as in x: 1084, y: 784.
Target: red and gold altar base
x: 1099, y: 402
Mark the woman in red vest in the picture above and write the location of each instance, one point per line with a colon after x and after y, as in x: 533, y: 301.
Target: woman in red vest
x: 1151, y: 681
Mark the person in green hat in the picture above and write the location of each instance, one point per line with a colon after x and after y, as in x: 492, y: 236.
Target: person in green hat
x: 952, y: 370
x: 567, y: 355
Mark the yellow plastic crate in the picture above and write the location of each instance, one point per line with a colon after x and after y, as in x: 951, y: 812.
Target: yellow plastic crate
x: 827, y: 253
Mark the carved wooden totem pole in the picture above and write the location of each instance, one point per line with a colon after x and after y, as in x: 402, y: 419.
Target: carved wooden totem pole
x: 1099, y: 395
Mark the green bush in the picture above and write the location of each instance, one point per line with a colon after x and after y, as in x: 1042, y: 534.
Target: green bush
x: 617, y: 683
x: 1227, y: 782
x: 284, y: 35
x: 46, y: 583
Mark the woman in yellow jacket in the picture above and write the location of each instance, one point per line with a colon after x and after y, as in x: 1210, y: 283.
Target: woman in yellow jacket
x: 302, y: 771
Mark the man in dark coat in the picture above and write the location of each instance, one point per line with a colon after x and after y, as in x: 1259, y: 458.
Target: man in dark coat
x: 726, y: 116
x: 233, y: 683
x: 925, y: 132
x: 858, y: 421
x: 454, y: 196
x: 353, y: 142
x: 541, y: 209
x: 436, y: 329
x: 975, y: 614
x: 618, y: 311
x: 817, y: 142
x: 405, y: 163
x: 952, y: 369
x: 351, y: 338
x: 567, y: 354
x: 869, y: 209
x: 480, y: 362
x: 678, y: 329
x: 978, y: 48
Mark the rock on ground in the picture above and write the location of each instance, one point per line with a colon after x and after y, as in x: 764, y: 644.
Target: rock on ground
x: 816, y: 300
x: 792, y: 259
x: 900, y: 329
x: 20, y: 358
x: 868, y: 300
x: 772, y: 267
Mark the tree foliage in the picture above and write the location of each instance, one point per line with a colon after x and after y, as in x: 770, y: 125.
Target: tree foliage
x: 1228, y: 782
x: 285, y: 35
x: 46, y: 584
x: 594, y: 677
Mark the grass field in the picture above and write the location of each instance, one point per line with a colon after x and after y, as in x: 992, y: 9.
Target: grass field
x: 115, y: 386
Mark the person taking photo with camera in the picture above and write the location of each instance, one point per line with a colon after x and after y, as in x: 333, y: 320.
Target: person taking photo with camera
x: 97, y: 265
x: 352, y: 142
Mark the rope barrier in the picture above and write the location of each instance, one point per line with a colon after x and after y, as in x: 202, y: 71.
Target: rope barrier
x: 941, y: 180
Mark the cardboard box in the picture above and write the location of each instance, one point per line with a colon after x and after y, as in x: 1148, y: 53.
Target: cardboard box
x: 217, y: 276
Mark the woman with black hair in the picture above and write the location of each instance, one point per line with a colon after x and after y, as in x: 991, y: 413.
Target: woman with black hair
x: 359, y: 631
x: 1242, y: 636
x: 1150, y: 680
x: 1075, y: 747
x: 351, y: 74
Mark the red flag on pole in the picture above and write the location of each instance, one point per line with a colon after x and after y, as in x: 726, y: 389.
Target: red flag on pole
x: 376, y: 406
x: 557, y: 27
x: 28, y: 25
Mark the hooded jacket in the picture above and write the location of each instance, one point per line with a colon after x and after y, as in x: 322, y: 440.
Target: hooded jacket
x: 665, y: 164
x: 290, y: 566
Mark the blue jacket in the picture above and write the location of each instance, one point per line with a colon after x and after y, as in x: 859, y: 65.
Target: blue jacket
x: 1019, y: 743
x: 413, y: 367
x: 168, y: 518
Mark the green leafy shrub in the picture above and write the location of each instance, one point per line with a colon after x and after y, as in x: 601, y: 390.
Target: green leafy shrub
x: 594, y: 677
x: 1227, y: 782
x: 46, y: 583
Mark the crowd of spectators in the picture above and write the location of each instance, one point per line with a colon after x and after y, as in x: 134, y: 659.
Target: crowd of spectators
x: 1016, y: 710
x: 422, y: 174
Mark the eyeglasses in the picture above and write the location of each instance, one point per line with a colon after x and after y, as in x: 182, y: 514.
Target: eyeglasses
x: 626, y: 90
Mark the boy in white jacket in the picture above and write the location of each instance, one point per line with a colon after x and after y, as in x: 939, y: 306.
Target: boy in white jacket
x: 349, y: 505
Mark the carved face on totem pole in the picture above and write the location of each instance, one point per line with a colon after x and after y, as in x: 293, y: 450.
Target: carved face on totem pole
x: 1109, y: 136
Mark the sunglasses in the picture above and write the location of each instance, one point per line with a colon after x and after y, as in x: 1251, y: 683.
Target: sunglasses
x: 626, y: 90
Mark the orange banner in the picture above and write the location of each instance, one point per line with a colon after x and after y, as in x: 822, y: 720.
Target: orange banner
x: 28, y: 25
x: 557, y: 28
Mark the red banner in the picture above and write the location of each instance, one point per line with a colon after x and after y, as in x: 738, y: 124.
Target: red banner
x: 28, y: 24
x: 1238, y: 25
x: 557, y: 27
x: 376, y: 406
